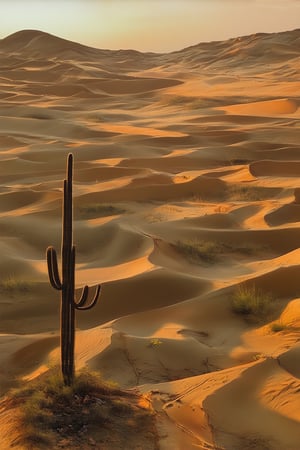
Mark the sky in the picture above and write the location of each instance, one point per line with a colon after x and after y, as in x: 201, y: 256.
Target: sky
x: 148, y: 25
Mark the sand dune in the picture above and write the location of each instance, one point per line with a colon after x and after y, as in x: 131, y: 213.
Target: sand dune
x: 185, y: 190
x: 231, y: 425
x: 265, y: 108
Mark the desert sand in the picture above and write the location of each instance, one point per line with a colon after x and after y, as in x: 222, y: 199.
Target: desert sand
x: 198, y: 145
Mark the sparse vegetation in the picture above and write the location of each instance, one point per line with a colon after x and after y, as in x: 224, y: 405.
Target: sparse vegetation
x: 84, y: 415
x: 200, y: 251
x: 252, y: 302
x: 253, y: 249
x: 238, y: 161
x: 155, y: 342
x: 100, y: 210
x: 276, y: 327
x: 13, y: 285
x: 259, y: 356
x: 189, y: 102
x: 246, y: 192
x: 39, y: 116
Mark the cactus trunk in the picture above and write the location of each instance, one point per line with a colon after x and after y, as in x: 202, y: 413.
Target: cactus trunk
x: 67, y: 285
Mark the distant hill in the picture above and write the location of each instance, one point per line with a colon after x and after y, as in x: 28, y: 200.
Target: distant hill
x: 256, y: 51
x: 39, y: 43
x: 275, y: 46
x: 283, y: 43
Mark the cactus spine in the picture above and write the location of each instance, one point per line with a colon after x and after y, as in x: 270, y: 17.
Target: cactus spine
x: 66, y: 283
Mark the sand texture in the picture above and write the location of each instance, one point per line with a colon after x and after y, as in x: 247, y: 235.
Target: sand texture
x: 195, y: 149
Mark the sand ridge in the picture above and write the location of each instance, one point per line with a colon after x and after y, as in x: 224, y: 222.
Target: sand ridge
x: 197, y: 148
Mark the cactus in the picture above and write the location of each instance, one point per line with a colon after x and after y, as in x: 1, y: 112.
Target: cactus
x: 66, y: 283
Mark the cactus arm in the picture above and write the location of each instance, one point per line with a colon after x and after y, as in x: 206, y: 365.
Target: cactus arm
x: 85, y: 291
x: 83, y: 297
x: 81, y: 306
x: 70, y: 168
x: 53, y: 269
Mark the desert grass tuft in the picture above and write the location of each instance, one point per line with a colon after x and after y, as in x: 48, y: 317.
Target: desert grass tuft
x: 276, y: 327
x: 252, y: 303
x: 100, y: 210
x: 155, y: 342
x: 13, y: 285
x: 250, y: 193
x: 198, y: 251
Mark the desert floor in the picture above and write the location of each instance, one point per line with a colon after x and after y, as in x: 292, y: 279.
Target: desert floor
x: 186, y: 187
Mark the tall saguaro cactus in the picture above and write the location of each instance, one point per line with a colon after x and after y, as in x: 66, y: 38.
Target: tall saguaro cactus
x: 66, y: 283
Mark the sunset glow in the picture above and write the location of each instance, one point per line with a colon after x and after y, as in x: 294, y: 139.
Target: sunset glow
x: 159, y: 26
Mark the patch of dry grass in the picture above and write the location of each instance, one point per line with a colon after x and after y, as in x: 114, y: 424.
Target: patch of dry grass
x: 200, y: 251
x: 100, y: 210
x: 276, y: 327
x: 90, y: 414
x: 252, y: 303
x: 13, y: 285
x: 248, y: 192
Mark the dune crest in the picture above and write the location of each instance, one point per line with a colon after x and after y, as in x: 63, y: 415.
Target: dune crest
x: 186, y: 196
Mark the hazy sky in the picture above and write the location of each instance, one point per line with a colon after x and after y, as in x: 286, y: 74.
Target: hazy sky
x: 148, y: 25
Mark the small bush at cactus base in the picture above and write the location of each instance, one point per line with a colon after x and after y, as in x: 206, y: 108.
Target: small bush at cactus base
x: 89, y: 414
x: 252, y: 302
